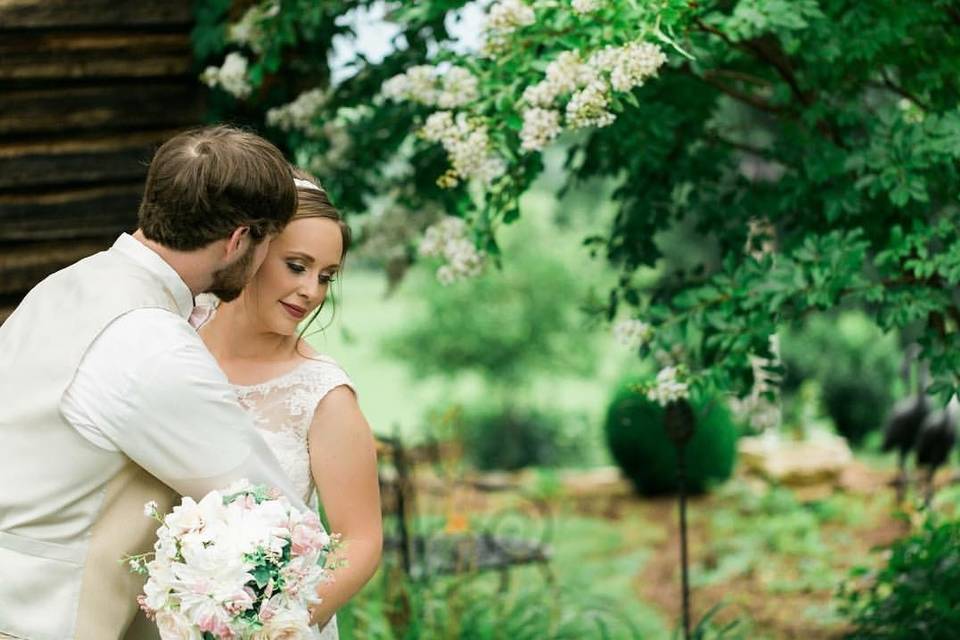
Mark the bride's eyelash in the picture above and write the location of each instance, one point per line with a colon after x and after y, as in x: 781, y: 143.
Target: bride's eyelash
x: 325, y: 278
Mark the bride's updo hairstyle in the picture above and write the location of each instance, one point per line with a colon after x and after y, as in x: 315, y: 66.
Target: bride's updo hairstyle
x: 313, y: 202
x: 204, y: 183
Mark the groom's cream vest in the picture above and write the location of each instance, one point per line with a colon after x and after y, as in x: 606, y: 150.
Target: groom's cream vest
x: 68, y: 510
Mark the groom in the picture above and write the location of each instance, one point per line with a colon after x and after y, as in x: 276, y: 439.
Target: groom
x: 109, y: 399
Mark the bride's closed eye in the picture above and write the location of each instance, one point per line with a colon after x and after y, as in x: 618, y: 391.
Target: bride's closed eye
x: 325, y: 278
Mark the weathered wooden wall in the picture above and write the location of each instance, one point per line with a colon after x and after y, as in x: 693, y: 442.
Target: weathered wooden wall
x: 88, y: 88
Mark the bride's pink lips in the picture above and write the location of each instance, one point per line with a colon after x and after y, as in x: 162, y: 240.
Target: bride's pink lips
x: 293, y: 310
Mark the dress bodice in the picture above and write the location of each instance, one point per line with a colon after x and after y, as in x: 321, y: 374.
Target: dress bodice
x: 283, y: 409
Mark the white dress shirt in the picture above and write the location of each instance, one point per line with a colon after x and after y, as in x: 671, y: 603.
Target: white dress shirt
x: 148, y: 387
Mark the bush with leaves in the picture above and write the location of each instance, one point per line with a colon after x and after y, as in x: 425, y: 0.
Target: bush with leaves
x: 639, y: 443
x: 916, y: 594
x: 815, y: 143
x: 855, y: 364
x: 511, y: 438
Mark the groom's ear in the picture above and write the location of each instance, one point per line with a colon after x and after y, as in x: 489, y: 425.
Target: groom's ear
x: 237, y: 243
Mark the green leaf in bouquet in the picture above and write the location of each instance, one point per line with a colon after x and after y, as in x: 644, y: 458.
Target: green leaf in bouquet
x: 261, y: 575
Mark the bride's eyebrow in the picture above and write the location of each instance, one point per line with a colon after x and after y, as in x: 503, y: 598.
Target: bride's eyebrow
x: 303, y: 256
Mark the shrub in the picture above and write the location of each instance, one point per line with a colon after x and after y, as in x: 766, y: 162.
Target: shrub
x: 916, y: 594
x: 512, y: 438
x: 639, y: 443
x: 855, y: 365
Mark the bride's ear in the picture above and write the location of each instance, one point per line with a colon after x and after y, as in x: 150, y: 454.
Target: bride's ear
x: 236, y: 244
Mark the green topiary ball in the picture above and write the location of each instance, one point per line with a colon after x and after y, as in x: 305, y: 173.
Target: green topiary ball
x: 639, y: 443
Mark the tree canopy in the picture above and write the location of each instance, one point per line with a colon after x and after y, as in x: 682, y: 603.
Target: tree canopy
x: 813, y: 142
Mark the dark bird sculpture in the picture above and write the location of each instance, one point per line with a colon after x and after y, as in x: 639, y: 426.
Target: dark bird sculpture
x: 935, y: 442
x: 903, y: 426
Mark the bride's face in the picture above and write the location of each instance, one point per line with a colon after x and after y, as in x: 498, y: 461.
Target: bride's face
x: 294, y: 277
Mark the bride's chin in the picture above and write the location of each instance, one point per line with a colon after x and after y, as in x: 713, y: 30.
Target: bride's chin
x: 285, y: 329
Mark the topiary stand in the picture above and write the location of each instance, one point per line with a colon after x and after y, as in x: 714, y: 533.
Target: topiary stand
x: 680, y: 424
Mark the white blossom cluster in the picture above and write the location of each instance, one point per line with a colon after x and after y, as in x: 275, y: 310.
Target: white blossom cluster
x: 431, y: 86
x: 628, y: 66
x: 668, y: 387
x: 503, y: 18
x: 299, y: 114
x: 467, y: 143
x: 564, y: 75
x: 417, y: 84
x: 448, y: 239
x: 756, y: 408
x: 588, y: 107
x: 589, y: 84
x: 507, y: 15
x: 540, y: 126
x: 632, y: 333
x: 231, y: 77
x: 338, y: 144
x: 586, y: 6
x: 248, y: 31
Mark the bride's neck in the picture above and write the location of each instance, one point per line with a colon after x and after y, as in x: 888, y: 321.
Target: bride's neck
x: 234, y: 334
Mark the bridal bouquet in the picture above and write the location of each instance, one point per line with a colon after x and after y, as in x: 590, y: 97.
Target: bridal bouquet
x: 242, y: 563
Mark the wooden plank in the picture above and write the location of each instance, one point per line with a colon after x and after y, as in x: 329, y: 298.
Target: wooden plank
x: 23, y: 266
x: 46, y: 55
x: 116, y: 107
x: 36, y: 14
x: 69, y: 161
x: 73, y: 214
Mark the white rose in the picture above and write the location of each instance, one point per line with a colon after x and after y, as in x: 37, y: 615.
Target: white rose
x: 173, y: 626
x: 286, y: 625
x: 185, y: 517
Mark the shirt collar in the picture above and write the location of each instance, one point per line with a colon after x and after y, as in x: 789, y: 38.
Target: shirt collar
x: 152, y: 262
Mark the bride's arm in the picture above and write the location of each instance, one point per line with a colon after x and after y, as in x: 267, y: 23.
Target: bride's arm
x: 343, y: 461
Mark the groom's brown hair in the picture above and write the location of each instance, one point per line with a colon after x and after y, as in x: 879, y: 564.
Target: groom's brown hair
x: 204, y: 183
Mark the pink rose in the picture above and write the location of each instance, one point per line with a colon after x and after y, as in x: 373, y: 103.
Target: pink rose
x: 308, y: 537
x: 216, y: 623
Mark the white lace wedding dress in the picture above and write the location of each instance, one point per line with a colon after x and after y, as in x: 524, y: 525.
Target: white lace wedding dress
x: 283, y: 409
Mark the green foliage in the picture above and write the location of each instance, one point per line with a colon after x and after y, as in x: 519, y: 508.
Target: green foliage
x: 855, y: 364
x: 511, y: 438
x: 504, y: 325
x: 916, y: 594
x: 707, y: 628
x: 640, y: 446
x: 826, y: 131
x: 468, y: 608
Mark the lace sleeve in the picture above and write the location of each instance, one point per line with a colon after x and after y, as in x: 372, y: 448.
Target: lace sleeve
x: 326, y: 376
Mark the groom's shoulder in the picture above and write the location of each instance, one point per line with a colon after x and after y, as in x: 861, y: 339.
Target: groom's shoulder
x: 94, y: 272
x: 103, y: 280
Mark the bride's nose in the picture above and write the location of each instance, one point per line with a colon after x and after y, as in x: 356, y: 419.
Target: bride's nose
x: 310, y: 292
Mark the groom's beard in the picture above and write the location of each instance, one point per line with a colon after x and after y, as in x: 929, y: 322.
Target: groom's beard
x: 228, y: 283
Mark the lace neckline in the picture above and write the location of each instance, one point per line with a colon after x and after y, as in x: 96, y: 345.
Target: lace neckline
x: 283, y: 377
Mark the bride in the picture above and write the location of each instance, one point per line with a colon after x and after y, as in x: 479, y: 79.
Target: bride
x: 303, y: 403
